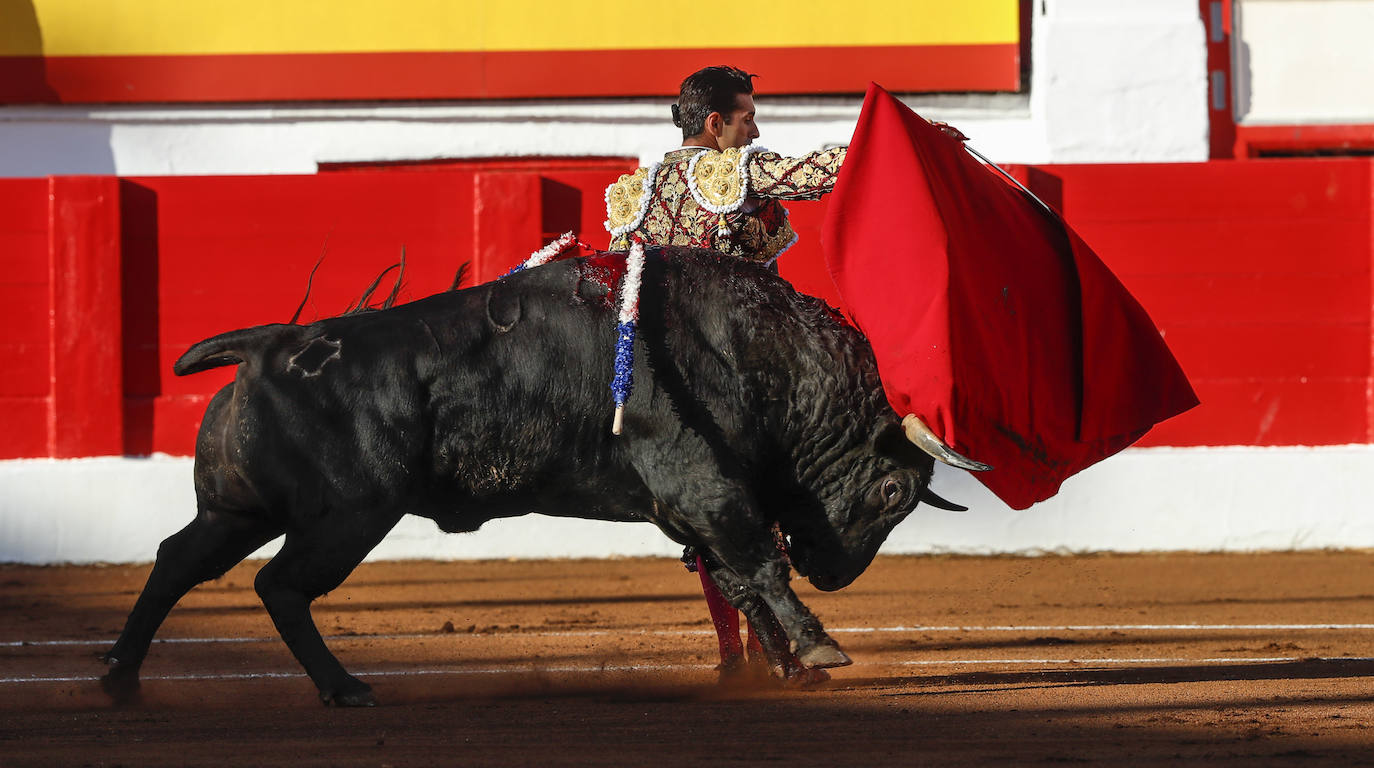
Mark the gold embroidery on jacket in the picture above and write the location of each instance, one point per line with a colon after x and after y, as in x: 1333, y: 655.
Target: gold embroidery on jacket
x: 743, y: 187
x: 718, y: 179
x: 625, y: 200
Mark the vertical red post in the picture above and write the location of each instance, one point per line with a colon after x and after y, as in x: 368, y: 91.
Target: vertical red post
x: 1221, y: 114
x: 507, y: 224
x: 1369, y: 259
x: 86, y: 404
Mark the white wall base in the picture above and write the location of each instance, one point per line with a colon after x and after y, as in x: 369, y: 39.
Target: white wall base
x: 1192, y: 499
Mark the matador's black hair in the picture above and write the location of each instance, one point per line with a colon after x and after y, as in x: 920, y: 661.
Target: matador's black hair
x: 713, y: 89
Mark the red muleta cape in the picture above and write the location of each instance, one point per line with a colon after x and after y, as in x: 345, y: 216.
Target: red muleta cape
x: 990, y: 319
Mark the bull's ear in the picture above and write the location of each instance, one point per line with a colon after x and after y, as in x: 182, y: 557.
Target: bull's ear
x: 890, y: 440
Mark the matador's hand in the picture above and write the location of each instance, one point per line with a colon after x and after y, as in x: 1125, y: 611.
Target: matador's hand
x: 950, y: 131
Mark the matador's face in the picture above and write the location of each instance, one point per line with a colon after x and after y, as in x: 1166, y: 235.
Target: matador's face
x: 739, y: 129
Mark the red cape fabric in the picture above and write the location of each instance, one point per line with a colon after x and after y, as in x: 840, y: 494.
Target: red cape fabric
x: 990, y: 319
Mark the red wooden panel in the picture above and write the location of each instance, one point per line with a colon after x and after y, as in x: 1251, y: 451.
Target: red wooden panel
x: 25, y: 432
x: 177, y: 419
x: 1284, y: 245
x: 1270, y: 350
x: 231, y: 252
x: 575, y: 200
x: 1258, y: 273
x: 169, y: 424
x: 214, y: 254
x: 508, y: 222
x: 1335, y: 188
x: 26, y: 205
x: 1259, y: 276
x: 25, y: 339
x: 20, y: 255
x: 1318, y: 411
x: 1258, y: 297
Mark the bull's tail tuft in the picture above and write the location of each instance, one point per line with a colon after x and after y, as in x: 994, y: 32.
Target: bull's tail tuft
x: 229, y: 348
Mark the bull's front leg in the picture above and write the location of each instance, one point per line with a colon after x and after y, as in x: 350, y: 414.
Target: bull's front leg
x: 720, y: 514
x: 767, y: 641
x: 757, y: 583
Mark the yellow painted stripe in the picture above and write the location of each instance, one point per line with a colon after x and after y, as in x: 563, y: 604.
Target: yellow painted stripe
x: 172, y: 27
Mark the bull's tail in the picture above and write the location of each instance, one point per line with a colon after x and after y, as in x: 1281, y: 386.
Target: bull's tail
x: 230, y: 348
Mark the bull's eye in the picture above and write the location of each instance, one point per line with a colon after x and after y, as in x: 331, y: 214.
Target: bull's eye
x: 891, y: 490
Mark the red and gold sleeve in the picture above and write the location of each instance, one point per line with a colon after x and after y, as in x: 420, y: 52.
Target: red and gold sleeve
x: 794, y: 178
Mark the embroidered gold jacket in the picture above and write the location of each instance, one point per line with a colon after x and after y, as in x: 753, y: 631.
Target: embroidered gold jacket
x: 727, y: 200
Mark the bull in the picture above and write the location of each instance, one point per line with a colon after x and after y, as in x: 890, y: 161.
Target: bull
x: 756, y: 409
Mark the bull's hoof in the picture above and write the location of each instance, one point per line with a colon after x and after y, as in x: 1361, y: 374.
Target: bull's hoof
x: 796, y: 675
x: 742, y: 671
x: 121, y: 682
x: 823, y: 656
x: 353, y: 698
x: 804, y: 677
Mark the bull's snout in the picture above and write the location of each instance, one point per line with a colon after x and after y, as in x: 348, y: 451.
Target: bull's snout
x: 830, y: 580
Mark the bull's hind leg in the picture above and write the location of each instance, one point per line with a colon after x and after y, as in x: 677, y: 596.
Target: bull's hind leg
x: 211, y: 544
x: 314, y: 561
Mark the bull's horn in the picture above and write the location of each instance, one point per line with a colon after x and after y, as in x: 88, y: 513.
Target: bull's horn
x: 935, y: 500
x: 918, y: 433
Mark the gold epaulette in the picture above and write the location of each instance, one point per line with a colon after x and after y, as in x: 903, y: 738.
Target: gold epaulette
x: 627, y: 200
x: 719, y: 180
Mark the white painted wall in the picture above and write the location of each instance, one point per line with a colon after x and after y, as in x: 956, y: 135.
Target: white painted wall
x: 1300, y: 62
x: 1205, y: 499
x: 1112, y: 81
x: 1120, y: 81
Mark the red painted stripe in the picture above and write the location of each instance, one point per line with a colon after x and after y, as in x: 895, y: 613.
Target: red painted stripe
x: 495, y: 74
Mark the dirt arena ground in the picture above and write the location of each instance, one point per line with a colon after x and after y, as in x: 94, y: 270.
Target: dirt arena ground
x: 1230, y: 659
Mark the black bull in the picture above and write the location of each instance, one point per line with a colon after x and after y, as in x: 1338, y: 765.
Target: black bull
x: 753, y: 407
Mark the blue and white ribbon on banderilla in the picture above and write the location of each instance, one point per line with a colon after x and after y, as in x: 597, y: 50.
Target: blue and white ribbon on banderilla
x: 546, y: 254
x: 623, y: 382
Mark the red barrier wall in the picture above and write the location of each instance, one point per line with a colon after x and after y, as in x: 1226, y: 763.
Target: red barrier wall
x: 1258, y: 273
x: 25, y: 342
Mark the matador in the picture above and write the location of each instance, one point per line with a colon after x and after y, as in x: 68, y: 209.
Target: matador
x: 718, y: 190
x: 721, y: 192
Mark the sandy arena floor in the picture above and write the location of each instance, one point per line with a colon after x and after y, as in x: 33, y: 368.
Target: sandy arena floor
x: 1244, y: 660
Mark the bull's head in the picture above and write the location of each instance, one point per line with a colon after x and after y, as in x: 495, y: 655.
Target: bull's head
x: 885, y: 479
